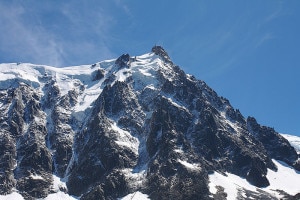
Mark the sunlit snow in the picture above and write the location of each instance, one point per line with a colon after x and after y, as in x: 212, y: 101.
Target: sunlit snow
x: 57, y: 185
x: 285, y: 178
x: 192, y: 166
x: 294, y: 141
x: 14, y: 196
x: 59, y: 196
x: 124, y: 138
x: 135, y: 196
x: 135, y: 179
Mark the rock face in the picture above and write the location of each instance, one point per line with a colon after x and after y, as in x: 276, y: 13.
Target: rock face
x: 127, y: 125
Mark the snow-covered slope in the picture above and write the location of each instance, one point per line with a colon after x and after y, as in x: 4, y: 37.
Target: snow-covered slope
x: 284, y: 179
x: 294, y: 140
x: 130, y: 128
x: 66, y: 78
x: 143, y: 71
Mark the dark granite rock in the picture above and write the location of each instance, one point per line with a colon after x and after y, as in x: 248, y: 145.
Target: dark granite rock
x: 123, y: 61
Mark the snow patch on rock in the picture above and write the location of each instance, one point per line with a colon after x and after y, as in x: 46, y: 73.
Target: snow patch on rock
x: 135, y: 196
x: 286, y: 178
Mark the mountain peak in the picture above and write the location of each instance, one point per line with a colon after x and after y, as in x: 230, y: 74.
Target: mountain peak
x: 123, y: 60
x: 160, y: 51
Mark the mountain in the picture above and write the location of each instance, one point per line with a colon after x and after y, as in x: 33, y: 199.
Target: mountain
x: 135, y: 127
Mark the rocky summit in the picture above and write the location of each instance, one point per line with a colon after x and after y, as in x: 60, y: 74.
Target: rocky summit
x: 135, y: 127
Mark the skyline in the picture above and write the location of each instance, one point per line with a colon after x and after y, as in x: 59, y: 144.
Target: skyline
x: 248, y: 52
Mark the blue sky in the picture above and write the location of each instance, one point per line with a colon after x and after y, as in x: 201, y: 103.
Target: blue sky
x: 248, y: 51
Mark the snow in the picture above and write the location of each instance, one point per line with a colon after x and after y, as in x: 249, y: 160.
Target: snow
x: 59, y: 196
x: 58, y: 183
x: 233, y: 125
x: 34, y: 176
x: 124, y: 138
x: 176, y: 103
x: 230, y: 183
x: 144, y: 71
x: 25, y: 73
x: 179, y: 150
x: 192, y: 166
x: 286, y: 179
x: 121, y: 75
x: 67, y: 78
x: 14, y: 196
x: 135, y: 178
x: 135, y: 196
x: 294, y: 141
x: 88, y: 97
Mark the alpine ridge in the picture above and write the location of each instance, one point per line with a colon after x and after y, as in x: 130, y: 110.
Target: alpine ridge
x: 135, y: 127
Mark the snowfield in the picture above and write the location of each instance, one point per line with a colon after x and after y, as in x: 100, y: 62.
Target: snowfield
x: 286, y: 178
x: 294, y: 141
x: 12, y: 196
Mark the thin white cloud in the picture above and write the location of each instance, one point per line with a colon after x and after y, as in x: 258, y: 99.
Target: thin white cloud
x: 58, y: 35
x: 124, y: 7
x: 89, y: 31
x: 239, y: 39
x: 86, y: 19
x: 31, y: 42
x: 277, y: 12
x: 265, y: 38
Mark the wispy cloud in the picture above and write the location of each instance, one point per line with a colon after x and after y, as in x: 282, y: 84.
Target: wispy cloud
x: 88, y: 31
x: 31, y: 42
x: 236, y: 39
x: 55, y: 34
x: 264, y: 38
x: 124, y: 7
